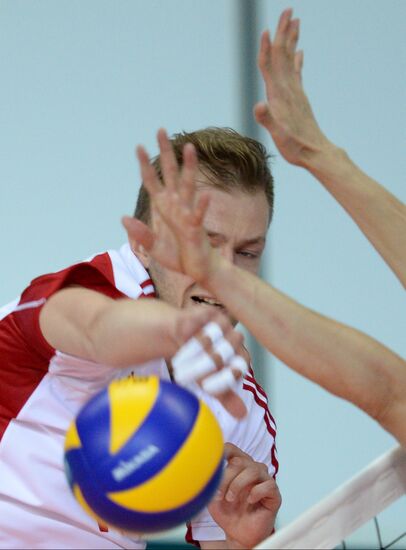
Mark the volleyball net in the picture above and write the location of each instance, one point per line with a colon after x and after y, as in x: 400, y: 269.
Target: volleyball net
x: 370, y: 506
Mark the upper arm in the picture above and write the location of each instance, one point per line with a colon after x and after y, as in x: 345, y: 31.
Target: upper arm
x: 55, y: 309
x: 66, y: 319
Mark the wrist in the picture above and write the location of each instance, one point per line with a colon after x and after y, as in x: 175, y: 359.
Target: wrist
x: 217, y: 275
x: 326, y: 160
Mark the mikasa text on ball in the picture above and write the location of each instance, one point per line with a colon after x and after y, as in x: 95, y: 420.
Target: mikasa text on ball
x: 144, y: 455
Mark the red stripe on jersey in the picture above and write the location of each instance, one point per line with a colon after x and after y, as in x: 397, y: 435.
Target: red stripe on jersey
x: 267, y: 417
x: 259, y: 402
x: 251, y: 378
x: 259, y: 388
x: 151, y: 293
x: 21, y: 370
x: 274, y: 460
x: 24, y: 352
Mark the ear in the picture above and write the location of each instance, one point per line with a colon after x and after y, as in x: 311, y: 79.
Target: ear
x: 140, y: 237
x: 141, y: 254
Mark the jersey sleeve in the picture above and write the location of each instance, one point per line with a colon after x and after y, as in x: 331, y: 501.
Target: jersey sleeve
x: 95, y: 275
x: 255, y: 435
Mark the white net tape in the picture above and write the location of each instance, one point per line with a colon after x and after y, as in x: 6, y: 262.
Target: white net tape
x: 346, y: 509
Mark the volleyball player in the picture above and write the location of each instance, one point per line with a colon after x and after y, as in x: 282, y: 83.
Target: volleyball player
x: 343, y: 360
x: 118, y: 314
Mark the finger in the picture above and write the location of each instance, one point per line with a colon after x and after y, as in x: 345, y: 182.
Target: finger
x: 213, y: 331
x: 223, y: 323
x: 201, y: 206
x: 194, y: 359
x: 189, y: 371
x: 189, y: 351
x: 169, y: 164
x: 219, y: 383
x: 225, y: 345
x: 139, y: 232
x: 298, y: 63
x: 239, y: 366
x: 232, y: 451
x: 263, y: 116
x: 148, y: 174
x: 265, y: 53
x: 248, y: 476
x: 224, y: 349
x: 292, y: 36
x: 229, y: 473
x: 203, y: 339
x: 282, y: 28
x: 233, y: 404
x: 205, y: 353
x: 266, y: 490
x: 187, y: 186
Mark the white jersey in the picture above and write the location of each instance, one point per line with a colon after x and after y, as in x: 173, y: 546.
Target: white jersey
x: 41, y: 391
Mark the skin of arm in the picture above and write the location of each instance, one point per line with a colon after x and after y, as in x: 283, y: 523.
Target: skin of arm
x: 120, y: 333
x: 341, y: 359
x: 126, y: 332
x: 288, y: 117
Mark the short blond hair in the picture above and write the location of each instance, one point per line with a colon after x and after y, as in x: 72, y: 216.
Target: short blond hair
x: 228, y: 159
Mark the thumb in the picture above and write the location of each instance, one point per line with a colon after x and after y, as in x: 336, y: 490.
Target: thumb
x: 263, y: 115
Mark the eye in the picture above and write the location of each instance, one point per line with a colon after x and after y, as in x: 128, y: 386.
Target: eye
x: 248, y: 254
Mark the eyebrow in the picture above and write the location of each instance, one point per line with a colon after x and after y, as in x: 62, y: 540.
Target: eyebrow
x: 255, y: 240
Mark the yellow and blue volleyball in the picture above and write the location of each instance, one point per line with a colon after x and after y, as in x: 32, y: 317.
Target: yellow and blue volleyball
x: 144, y: 455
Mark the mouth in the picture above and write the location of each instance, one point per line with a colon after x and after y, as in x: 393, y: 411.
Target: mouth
x: 207, y: 301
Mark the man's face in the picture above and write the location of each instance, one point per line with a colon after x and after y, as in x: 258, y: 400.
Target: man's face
x: 236, y: 223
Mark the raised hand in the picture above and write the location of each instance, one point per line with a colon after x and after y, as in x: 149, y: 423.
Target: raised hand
x: 247, y: 501
x: 176, y: 237
x: 287, y: 114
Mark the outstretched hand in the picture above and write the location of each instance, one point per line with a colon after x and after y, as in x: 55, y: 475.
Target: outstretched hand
x: 176, y: 238
x: 287, y: 114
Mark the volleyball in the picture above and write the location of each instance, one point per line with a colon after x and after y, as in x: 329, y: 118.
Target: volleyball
x: 144, y: 455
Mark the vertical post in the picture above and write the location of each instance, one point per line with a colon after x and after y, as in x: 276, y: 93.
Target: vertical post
x: 247, y: 40
x: 249, y: 27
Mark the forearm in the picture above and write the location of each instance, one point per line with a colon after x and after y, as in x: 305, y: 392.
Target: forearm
x: 122, y: 332
x: 343, y: 360
x: 378, y: 213
x: 128, y: 332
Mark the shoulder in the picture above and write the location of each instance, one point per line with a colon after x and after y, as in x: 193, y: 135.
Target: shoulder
x: 19, y: 321
x: 130, y: 276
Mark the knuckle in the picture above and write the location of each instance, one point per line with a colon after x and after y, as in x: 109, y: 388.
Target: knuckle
x: 236, y: 461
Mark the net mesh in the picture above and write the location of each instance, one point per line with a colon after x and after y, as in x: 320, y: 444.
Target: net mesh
x: 368, y: 511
